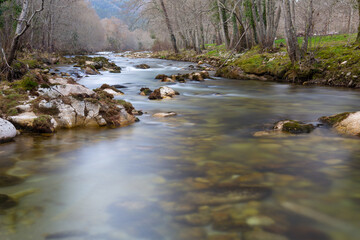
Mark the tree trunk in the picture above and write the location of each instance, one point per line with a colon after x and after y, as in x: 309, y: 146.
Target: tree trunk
x: 223, y: 23
x: 171, y: 31
x: 358, y: 35
x: 291, y: 39
x: 308, y: 27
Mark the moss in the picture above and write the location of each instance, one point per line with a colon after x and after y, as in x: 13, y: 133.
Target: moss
x: 43, y: 124
x: 28, y: 82
x: 9, y: 101
x: 146, y: 91
x: 32, y: 63
x: 127, y: 105
x: 333, y: 120
x: 12, y: 112
x: 296, y: 127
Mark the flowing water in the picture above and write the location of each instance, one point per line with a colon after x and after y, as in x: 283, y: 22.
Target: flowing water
x: 199, y: 175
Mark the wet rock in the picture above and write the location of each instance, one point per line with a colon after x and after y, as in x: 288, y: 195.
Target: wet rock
x: 6, y: 202
x: 226, y: 195
x: 164, y: 115
x: 293, y: 127
x: 344, y: 123
x: 162, y: 92
x: 145, y: 91
x: 177, y: 208
x: 161, y: 76
x: 7, y: 131
x: 261, y: 235
x: 8, y: 180
x: 142, y: 66
x: 91, y: 71
x: 168, y: 80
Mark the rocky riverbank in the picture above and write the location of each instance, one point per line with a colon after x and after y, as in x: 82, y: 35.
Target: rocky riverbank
x: 43, y: 100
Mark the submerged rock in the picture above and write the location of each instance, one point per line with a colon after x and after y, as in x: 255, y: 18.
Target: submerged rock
x: 7, y: 131
x: 344, y: 123
x: 226, y: 195
x: 6, y: 202
x: 164, y: 115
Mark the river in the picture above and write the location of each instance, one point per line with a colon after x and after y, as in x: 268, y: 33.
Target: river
x: 199, y: 175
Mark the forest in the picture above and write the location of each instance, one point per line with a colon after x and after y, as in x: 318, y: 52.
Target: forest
x: 179, y: 119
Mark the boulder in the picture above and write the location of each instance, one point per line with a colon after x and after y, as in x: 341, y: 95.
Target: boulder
x: 142, y: 66
x: 345, y: 123
x: 169, y: 80
x: 293, y: 127
x: 90, y: 71
x: 163, y: 92
x: 65, y: 90
x: 24, y: 120
x: 161, y: 76
x: 7, y: 131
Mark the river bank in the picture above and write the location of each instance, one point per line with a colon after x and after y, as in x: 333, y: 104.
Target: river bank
x: 334, y: 64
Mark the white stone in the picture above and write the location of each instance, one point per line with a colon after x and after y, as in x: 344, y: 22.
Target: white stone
x: 164, y: 115
x: 7, y: 131
x: 65, y: 90
x: 24, y: 108
x: 350, y: 125
x: 24, y: 120
x: 167, y: 92
x: 60, y: 81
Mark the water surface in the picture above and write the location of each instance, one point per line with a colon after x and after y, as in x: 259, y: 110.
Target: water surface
x: 139, y: 182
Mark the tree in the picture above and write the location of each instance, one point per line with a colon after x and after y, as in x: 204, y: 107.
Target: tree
x: 290, y: 33
x: 358, y: 35
x: 23, y: 24
x: 169, y: 26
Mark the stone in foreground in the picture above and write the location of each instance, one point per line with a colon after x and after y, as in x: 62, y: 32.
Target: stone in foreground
x: 7, y: 131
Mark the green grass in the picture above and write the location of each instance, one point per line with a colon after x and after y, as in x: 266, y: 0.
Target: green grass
x: 320, y: 41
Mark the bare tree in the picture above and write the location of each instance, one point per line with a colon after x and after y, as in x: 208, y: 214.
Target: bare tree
x: 308, y: 27
x: 291, y: 39
x: 169, y: 26
x: 23, y: 24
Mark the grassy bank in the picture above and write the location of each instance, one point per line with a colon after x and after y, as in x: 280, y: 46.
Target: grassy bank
x: 332, y: 61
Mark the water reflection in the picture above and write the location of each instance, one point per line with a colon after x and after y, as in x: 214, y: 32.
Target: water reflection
x: 200, y: 175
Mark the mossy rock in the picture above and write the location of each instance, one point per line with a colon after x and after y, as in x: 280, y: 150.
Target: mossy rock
x: 161, y: 76
x: 127, y: 105
x: 335, y: 119
x: 296, y: 127
x: 145, y: 91
x: 142, y: 66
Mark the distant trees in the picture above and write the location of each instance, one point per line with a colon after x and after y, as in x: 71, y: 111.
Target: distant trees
x: 358, y: 34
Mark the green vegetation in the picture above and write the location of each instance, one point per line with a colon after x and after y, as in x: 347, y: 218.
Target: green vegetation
x: 333, y: 120
x: 296, y: 127
x: 43, y: 124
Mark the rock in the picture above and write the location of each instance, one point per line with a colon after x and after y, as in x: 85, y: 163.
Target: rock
x: 24, y: 108
x: 112, y: 92
x: 65, y: 90
x: 24, y: 120
x: 91, y: 71
x: 344, y: 123
x: 61, y: 81
x: 54, y: 60
x: 161, y: 76
x: 195, y: 219
x: 142, y: 66
x: 196, y: 77
x: 6, y: 202
x: 145, y: 91
x: 170, y: 80
x: 294, y: 127
x: 162, y: 92
x: 7, y: 131
x: 164, y: 115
